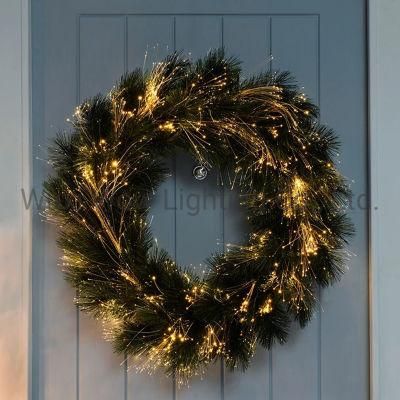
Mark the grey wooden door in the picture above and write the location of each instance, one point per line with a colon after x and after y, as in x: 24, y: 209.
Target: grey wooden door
x: 80, y: 48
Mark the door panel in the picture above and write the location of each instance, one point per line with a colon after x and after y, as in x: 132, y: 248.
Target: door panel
x: 299, y: 33
x: 254, y: 50
x: 100, y: 62
x: 55, y: 329
x: 198, y: 234
x: 81, y: 48
x: 144, y: 47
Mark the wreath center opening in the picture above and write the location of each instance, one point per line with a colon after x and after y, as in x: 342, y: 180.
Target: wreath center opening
x: 194, y: 219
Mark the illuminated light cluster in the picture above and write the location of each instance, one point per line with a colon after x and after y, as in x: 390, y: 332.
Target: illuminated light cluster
x: 294, y: 201
x: 274, y: 132
x: 310, y: 242
x: 88, y: 173
x: 212, y: 345
x: 159, y: 354
x: 168, y: 127
x: 244, y: 306
x: 266, y: 308
x: 129, y: 278
x: 195, y: 293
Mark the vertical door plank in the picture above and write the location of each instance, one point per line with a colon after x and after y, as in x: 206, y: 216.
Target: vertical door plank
x: 252, y: 48
x: 55, y: 316
x: 147, y: 46
x: 247, y: 38
x: 58, y: 331
x: 296, y: 365
x: 199, y: 216
x: 144, y: 47
x: 101, y: 53
x: 344, y: 320
x: 295, y: 48
x: 101, y: 63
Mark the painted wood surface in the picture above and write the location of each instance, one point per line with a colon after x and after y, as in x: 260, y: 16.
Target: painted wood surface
x: 82, y: 49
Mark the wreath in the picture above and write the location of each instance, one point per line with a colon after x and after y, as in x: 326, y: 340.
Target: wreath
x: 261, y: 134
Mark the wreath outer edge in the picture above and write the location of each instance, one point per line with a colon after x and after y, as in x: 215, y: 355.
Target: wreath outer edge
x: 262, y: 135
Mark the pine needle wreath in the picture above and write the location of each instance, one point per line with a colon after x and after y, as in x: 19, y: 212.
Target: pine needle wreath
x: 261, y: 133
